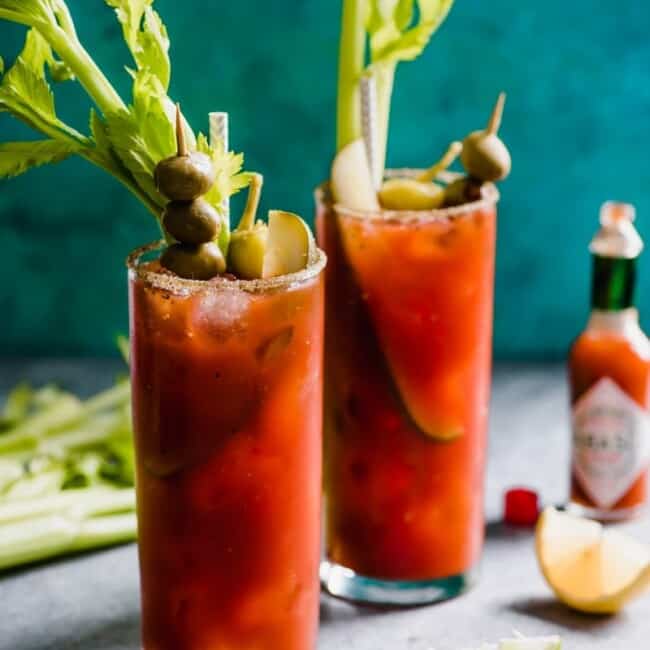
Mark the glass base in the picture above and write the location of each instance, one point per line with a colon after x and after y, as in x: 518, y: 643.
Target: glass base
x: 342, y: 582
x: 606, y: 516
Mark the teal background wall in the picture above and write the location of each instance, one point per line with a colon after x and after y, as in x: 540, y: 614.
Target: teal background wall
x: 577, y: 122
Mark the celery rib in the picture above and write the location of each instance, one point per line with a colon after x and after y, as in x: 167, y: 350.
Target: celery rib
x: 79, y: 504
x: 46, y: 537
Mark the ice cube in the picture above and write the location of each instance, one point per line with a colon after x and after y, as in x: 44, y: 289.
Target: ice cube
x: 221, y: 314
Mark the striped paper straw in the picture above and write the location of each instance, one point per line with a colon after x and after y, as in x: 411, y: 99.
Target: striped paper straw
x: 219, y: 135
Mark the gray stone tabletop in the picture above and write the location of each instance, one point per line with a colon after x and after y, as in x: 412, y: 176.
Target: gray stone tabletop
x: 90, y: 602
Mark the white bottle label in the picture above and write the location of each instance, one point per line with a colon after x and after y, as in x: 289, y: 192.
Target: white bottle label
x: 611, y: 442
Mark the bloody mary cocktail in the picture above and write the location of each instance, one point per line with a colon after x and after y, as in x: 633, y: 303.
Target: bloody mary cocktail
x: 408, y: 352
x: 409, y: 330
x: 227, y: 414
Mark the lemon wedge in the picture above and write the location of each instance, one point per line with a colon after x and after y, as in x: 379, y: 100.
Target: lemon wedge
x: 589, y: 568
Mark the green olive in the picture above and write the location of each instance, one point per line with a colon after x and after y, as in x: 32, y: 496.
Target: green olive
x: 196, y: 262
x: 462, y: 190
x: 191, y: 222
x: 246, y: 252
x: 186, y: 177
x: 410, y: 194
x: 485, y: 157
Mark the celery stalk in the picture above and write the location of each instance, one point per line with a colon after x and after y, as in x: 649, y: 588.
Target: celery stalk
x: 86, y: 434
x: 66, y: 411
x: 63, y: 40
x: 81, y: 504
x: 35, y: 486
x: 66, y: 473
x: 85, y: 69
x: 11, y: 469
x: 28, y: 433
x: 102, y: 531
x: 351, y: 65
x: 394, y: 31
x: 45, y: 537
x: 110, y: 398
x: 17, y: 403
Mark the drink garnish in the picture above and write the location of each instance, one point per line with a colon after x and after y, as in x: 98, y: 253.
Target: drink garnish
x: 485, y: 156
x: 126, y: 140
x: 188, y: 218
x: 182, y: 179
x: 194, y: 261
x: 290, y: 244
x: 351, y: 179
x: 385, y: 33
x: 419, y: 193
x: 187, y: 175
x: 395, y: 30
x: 258, y: 250
x: 590, y: 568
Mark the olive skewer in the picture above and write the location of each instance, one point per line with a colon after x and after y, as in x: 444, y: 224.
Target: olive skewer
x: 188, y: 218
x: 188, y: 174
x: 485, y: 156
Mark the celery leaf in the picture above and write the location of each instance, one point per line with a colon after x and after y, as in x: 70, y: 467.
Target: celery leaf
x: 149, y: 113
x: 99, y: 130
x: 153, y: 52
x: 25, y: 80
x: 129, y: 13
x: 18, y: 157
x: 228, y: 166
x: 145, y: 36
x: 131, y: 148
x: 27, y: 12
x: 229, y: 180
x: 24, y: 90
x: 403, y: 13
x: 143, y: 134
x: 391, y: 38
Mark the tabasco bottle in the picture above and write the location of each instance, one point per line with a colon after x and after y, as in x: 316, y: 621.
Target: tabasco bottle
x: 609, y: 373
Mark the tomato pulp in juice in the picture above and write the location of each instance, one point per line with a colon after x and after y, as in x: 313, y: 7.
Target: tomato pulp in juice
x: 408, y: 355
x: 227, y: 418
x: 621, y: 355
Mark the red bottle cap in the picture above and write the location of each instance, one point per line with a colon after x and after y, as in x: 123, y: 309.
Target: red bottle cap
x: 521, y: 507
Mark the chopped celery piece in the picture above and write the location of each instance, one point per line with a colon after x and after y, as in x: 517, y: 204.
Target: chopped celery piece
x: 67, y: 473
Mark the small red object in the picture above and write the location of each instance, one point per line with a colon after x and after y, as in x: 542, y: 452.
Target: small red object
x: 521, y: 507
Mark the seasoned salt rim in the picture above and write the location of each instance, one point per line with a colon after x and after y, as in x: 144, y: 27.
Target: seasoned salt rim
x: 185, y: 286
x: 489, y: 199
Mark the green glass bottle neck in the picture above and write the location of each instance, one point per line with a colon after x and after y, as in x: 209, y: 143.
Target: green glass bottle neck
x: 613, y: 283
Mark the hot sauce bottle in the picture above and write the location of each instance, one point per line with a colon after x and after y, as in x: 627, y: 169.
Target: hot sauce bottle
x: 609, y: 374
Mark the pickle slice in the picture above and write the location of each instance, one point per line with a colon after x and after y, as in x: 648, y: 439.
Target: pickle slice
x: 290, y: 244
x: 351, y: 181
x: 432, y: 390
